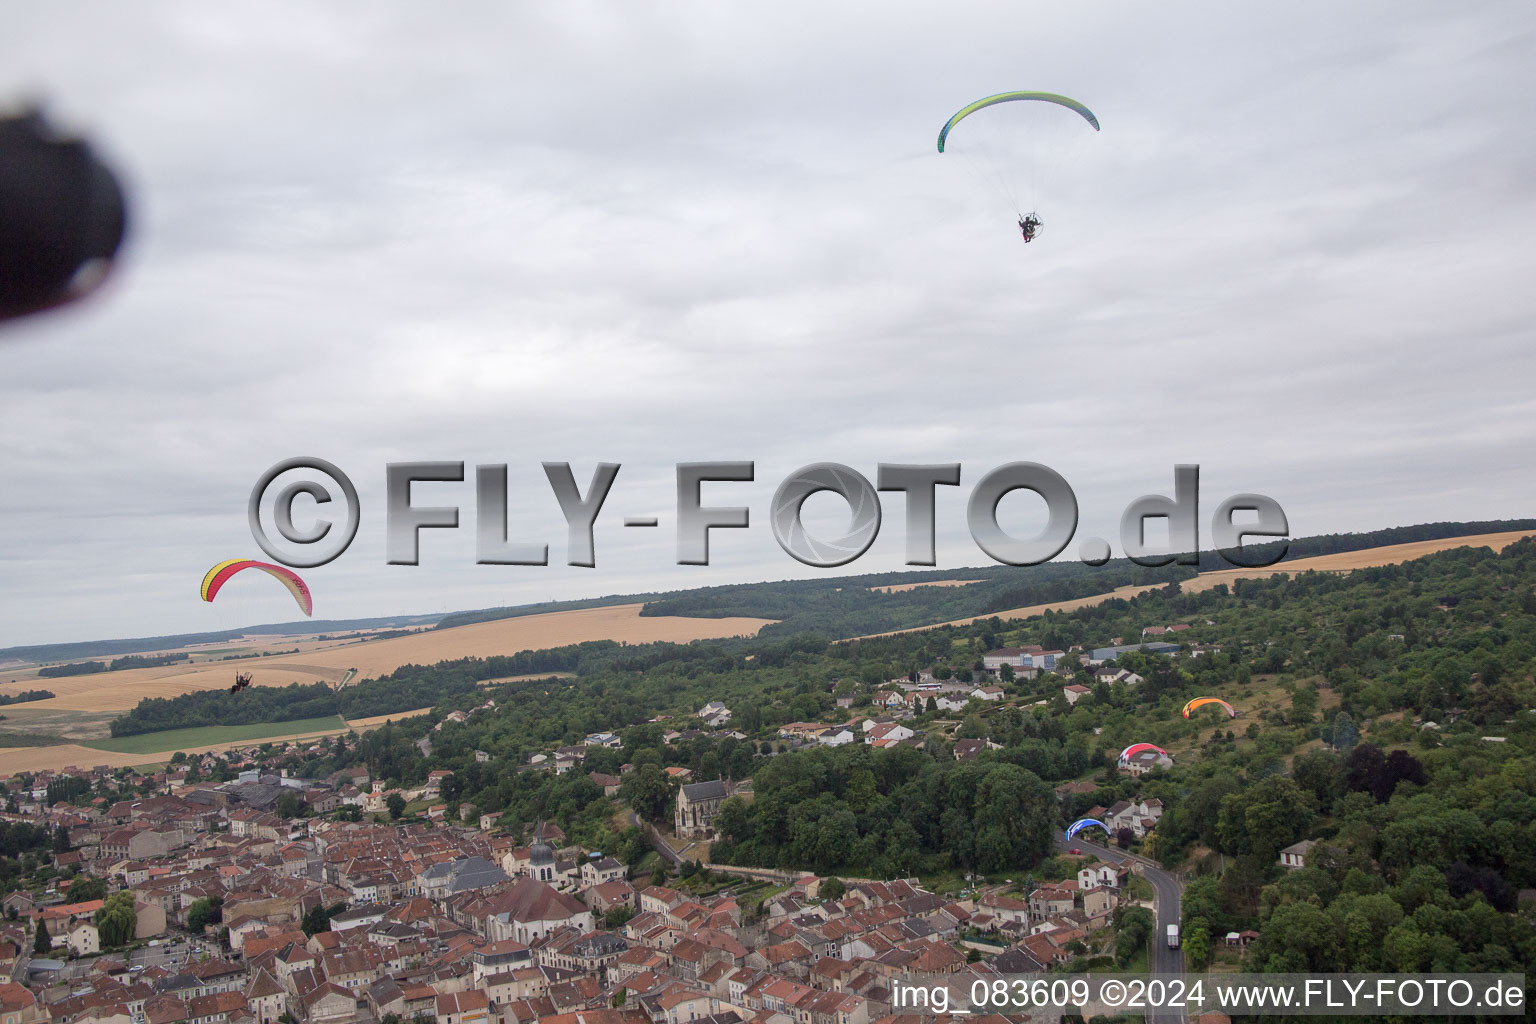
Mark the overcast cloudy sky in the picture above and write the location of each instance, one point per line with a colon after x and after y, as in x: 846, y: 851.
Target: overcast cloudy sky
x: 1300, y: 253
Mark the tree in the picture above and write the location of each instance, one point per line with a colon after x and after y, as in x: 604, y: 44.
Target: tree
x: 42, y: 942
x: 1132, y: 927
x: 832, y: 888
x: 1196, y: 941
x: 649, y: 792
x: 318, y: 918
x: 734, y: 822
x: 289, y: 805
x: 203, y: 912
x: 396, y: 804
x: 85, y: 888
x: 117, y: 920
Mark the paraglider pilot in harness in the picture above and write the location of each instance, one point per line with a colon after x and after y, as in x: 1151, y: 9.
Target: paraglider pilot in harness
x: 1029, y: 226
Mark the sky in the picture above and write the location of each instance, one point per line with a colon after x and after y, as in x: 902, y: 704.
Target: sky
x: 1299, y: 254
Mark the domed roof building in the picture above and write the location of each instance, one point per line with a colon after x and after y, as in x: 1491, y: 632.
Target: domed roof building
x: 541, y: 857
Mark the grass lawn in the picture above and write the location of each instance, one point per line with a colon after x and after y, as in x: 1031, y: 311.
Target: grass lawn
x: 29, y: 739
x: 183, y: 739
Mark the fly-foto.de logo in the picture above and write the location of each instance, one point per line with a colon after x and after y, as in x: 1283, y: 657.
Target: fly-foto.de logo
x: 327, y: 534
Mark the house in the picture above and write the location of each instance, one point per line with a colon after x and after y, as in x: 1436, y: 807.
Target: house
x: 715, y: 709
x: 697, y: 806
x: 266, y: 998
x: 596, y: 871
x: 892, y: 731
x: 608, y: 783
x: 1050, y: 901
x: 1140, y: 817
x: 836, y: 737
x: 328, y: 1003
x: 1144, y: 761
x: 19, y: 1006
x: 1111, y: 675
x: 1101, y: 874
x: 1075, y: 692
x: 1294, y: 856
x: 468, y: 1007
x: 967, y: 750
x: 1099, y: 901
x: 987, y: 693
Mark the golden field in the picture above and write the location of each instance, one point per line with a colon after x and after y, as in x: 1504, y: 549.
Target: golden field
x: 364, y: 724
x: 120, y: 691
x: 1367, y: 558
x: 1024, y: 613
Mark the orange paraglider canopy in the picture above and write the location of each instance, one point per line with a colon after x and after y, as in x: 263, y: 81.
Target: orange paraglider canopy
x: 287, y: 577
x: 1200, y: 702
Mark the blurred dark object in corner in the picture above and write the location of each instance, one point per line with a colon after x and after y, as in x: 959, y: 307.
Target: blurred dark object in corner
x: 62, y: 216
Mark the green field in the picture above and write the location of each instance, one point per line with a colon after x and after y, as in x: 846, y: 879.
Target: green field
x: 173, y: 740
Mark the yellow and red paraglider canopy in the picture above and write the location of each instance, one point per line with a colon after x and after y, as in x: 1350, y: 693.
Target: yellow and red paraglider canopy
x: 1200, y: 702
x: 220, y: 573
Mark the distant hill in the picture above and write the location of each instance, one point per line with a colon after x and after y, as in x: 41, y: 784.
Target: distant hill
x: 827, y: 606
x: 111, y: 648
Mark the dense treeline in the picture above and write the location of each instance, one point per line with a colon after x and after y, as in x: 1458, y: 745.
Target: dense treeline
x: 251, y: 706
x: 19, y: 837
x: 128, y: 661
x: 78, y: 668
x: 24, y: 696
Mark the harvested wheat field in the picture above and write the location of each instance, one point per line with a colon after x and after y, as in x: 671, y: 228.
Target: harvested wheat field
x: 120, y: 691
x: 896, y: 588
x: 1027, y: 612
x: 364, y: 724
x: 1367, y: 558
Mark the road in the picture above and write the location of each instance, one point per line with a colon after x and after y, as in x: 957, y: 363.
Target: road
x: 1170, y: 896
